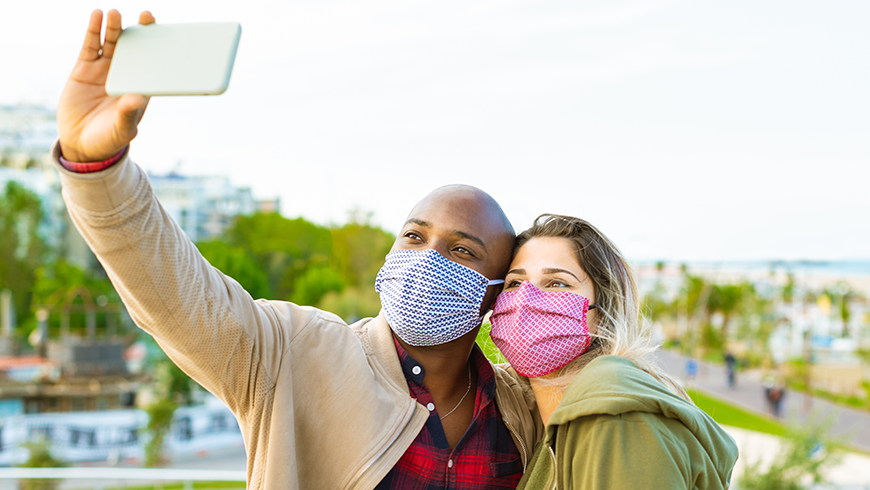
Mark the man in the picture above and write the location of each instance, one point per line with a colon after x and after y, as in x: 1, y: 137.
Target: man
x: 404, y: 400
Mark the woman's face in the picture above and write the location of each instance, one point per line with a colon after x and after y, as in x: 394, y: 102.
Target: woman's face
x: 550, y: 264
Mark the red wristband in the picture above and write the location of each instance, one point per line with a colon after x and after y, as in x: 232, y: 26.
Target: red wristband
x: 89, y: 167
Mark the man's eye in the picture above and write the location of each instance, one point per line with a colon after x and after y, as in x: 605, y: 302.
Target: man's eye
x: 412, y: 235
x: 464, y: 250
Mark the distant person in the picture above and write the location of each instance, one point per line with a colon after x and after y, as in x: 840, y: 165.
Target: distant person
x: 775, y: 396
x: 767, y: 384
x: 731, y: 369
x: 568, y: 319
x: 403, y: 400
x: 774, y: 393
x: 691, y: 369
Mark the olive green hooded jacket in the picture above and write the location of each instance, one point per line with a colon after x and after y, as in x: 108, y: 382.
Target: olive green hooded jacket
x: 617, y: 427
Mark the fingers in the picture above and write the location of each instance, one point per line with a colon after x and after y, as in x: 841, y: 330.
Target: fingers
x: 91, y: 47
x: 113, y: 30
x: 146, y: 18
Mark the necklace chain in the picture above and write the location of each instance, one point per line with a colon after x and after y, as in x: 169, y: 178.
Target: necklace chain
x: 467, y: 390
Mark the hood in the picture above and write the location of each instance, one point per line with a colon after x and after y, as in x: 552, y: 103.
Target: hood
x: 613, y: 385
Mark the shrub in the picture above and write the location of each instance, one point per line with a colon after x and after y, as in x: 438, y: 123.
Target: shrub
x: 40, y: 457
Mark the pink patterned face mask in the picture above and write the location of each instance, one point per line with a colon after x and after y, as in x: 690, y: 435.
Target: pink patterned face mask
x: 540, y: 331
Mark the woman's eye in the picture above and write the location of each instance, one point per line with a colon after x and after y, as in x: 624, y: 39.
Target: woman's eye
x: 513, y: 284
x: 558, y: 284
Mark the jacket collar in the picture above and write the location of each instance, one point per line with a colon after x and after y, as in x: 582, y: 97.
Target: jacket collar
x: 379, y: 343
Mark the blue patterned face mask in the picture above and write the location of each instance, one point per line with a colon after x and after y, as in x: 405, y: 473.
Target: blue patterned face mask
x: 428, y: 299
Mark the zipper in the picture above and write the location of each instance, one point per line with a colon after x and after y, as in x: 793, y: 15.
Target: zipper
x: 553, y: 457
x: 408, y: 413
x: 514, y: 433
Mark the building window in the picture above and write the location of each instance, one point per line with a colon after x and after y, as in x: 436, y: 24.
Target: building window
x: 128, y: 399
x: 185, y: 429
x: 218, y: 423
x: 79, y: 403
x: 79, y: 437
x: 31, y: 406
x: 131, y: 437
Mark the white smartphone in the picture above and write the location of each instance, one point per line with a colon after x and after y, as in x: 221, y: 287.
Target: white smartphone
x: 174, y: 59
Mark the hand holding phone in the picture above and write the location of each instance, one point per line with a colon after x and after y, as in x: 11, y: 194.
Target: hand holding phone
x: 97, y: 119
x: 93, y: 125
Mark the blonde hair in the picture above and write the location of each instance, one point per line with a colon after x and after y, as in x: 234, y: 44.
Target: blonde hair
x: 619, y: 329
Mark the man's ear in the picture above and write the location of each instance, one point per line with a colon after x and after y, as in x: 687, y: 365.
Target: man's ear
x: 489, y: 298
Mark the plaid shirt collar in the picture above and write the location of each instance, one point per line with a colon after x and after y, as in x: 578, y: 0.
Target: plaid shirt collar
x: 486, y: 457
x: 415, y: 372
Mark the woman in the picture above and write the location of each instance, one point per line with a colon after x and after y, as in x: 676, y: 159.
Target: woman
x: 568, y: 320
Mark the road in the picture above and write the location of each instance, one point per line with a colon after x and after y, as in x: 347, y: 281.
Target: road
x: 749, y: 394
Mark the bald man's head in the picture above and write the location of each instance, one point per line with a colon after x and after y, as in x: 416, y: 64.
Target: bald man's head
x: 465, y: 225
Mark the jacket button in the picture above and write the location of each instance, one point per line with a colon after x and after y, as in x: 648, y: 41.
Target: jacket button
x: 450, y: 463
x: 430, y: 406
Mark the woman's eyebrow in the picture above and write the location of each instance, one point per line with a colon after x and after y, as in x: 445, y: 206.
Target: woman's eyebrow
x: 521, y: 272
x: 556, y: 271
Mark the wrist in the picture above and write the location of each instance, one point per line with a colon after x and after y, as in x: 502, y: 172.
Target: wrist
x: 91, y: 166
x: 70, y: 154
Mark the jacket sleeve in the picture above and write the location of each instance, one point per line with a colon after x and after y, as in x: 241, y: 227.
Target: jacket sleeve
x: 609, y: 452
x: 205, y: 321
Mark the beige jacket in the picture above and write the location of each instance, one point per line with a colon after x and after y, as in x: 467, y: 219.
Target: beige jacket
x: 321, y: 405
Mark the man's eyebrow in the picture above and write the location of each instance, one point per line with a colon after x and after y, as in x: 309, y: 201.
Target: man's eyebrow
x: 556, y: 271
x: 462, y: 234
x: 420, y: 222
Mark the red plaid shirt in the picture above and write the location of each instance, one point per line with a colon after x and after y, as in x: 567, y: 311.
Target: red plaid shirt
x: 486, y: 456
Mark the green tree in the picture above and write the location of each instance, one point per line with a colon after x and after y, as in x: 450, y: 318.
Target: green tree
x: 314, y: 283
x: 22, y: 248
x: 40, y: 457
x: 358, y: 251
x: 353, y: 303
x: 282, y: 247
x: 60, y: 281
x: 726, y: 299
x: 788, y: 289
x: 159, y: 422
x: 237, y: 263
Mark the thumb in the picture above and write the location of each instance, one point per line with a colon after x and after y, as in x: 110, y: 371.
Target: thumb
x: 131, y: 108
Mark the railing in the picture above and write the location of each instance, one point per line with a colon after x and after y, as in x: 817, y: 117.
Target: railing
x: 101, y: 475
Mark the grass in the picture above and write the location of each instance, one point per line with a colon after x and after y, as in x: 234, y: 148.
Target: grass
x: 727, y: 414
x: 844, y: 400
x: 202, y: 485
x: 488, y: 346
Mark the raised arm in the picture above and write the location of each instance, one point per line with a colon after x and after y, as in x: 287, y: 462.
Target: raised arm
x: 205, y: 321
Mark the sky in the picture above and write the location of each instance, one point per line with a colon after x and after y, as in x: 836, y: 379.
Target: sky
x: 684, y: 130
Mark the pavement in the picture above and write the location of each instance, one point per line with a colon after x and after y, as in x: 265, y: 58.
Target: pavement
x: 853, y: 471
x: 748, y: 393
